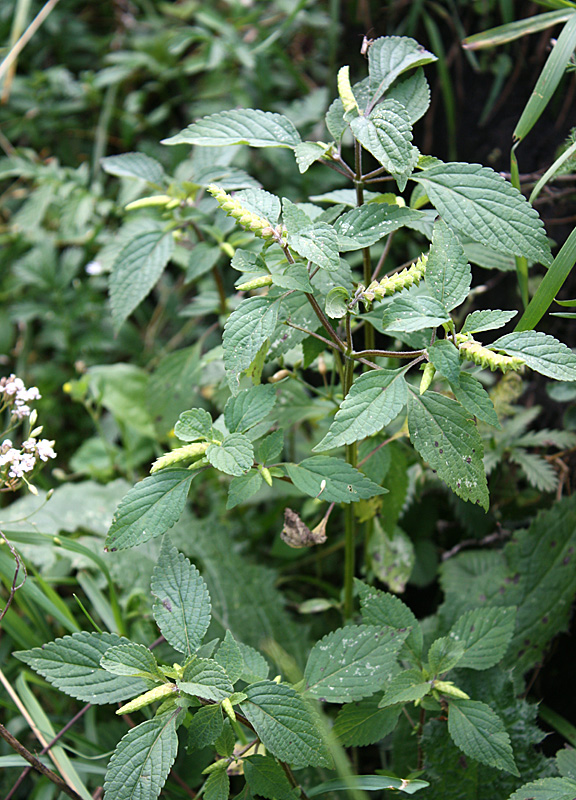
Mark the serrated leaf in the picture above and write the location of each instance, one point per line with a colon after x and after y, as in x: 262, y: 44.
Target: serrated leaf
x: 245, y: 332
x: 142, y: 760
x: 224, y: 744
x: 483, y: 205
x: 243, y: 487
x: 239, y: 126
x: 308, y: 152
x: 266, y: 778
x: 446, y: 358
x: 542, y: 352
x: 255, y: 665
x: 285, y: 725
x: 443, y: 434
x: 150, y: 508
x: 336, y: 304
x: 485, y: 634
x: 331, y: 479
x: 317, y: 243
x: 387, y: 134
x: 391, y: 56
x: 473, y: 396
x: 136, y: 271
x: 486, y: 320
x: 204, y: 677
x: 479, y: 733
x: 205, y: 727
x: 72, y: 664
x: 270, y: 448
x: 249, y: 407
x: 566, y: 763
x: 392, y: 555
x: 131, y: 659
x: 234, y: 456
x: 351, y: 663
x: 260, y: 202
x: 547, y: 789
x: 193, y: 425
x: 448, y: 274
x: 407, y: 314
x: 375, y: 399
x: 182, y: 606
x: 335, y: 119
x: 363, y: 723
x: 444, y: 654
x: 537, y: 470
x: 413, y: 93
x: 382, y: 608
x: 367, y: 224
x: 229, y: 656
x: 217, y: 786
x: 406, y: 687
x: 134, y: 165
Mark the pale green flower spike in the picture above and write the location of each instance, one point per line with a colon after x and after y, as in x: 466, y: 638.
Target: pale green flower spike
x: 345, y: 90
x: 447, y: 687
x: 189, y: 451
x: 158, y: 693
x: 248, y: 219
x: 427, y: 377
x: 395, y: 283
x: 474, y: 351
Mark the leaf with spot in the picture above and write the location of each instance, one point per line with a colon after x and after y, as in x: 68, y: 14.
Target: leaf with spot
x: 182, y: 605
x: 448, y: 274
x: 406, y: 687
x: 382, y: 608
x: 351, y: 663
x: 479, y: 733
x: 485, y: 634
x: 332, y: 479
x: 444, y: 654
x: 441, y: 431
x: 367, y: 224
x: 205, y: 678
x: 239, y: 126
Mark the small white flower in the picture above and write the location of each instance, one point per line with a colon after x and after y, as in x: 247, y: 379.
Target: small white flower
x: 94, y: 268
x: 6, y: 445
x: 20, y: 410
x: 14, y: 385
x: 29, y: 444
x: 44, y: 449
x: 9, y: 456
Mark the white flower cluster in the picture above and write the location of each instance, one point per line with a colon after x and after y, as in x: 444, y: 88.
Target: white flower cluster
x: 24, y: 460
x: 16, y: 396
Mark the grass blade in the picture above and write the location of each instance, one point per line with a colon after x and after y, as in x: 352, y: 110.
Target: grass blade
x: 515, y: 30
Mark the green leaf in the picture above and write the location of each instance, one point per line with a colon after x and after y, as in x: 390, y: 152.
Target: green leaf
x: 229, y: 656
x: 444, y: 654
x: 483, y: 205
x: 480, y: 734
x: 367, y: 783
x: 246, y: 330
x: 537, y: 470
x: 473, y: 396
x: 363, y: 723
x: 406, y: 687
x: 72, y: 664
x: 217, y: 786
x: 375, y: 399
x: 234, y: 456
x: 542, y: 352
x: 308, y: 152
x: 182, y: 605
x: 547, y: 789
x: 382, y: 608
x: 566, y: 763
x: 391, y: 554
x: 285, y: 725
x: 413, y: 93
x: 387, y: 134
x: 224, y: 744
x: 443, y: 434
x: 131, y: 659
x: 485, y: 634
x: 205, y: 678
x: 448, y: 274
x: 332, y: 479
x: 367, y: 224
x: 243, y: 487
x: 149, y: 509
x: 239, y: 126
x: 391, y: 56
x: 317, y: 242
x: 203, y: 257
x: 266, y: 778
x: 409, y: 314
x: 351, y: 663
x: 446, y: 358
x: 142, y: 760
x: 134, y: 165
x: 136, y: 271
x: 486, y: 320
x: 270, y: 448
x: 249, y: 407
x: 194, y: 425
x: 336, y: 304
x: 205, y: 727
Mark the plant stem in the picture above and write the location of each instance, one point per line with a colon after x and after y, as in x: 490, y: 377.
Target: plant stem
x: 367, y: 267
x: 350, y: 519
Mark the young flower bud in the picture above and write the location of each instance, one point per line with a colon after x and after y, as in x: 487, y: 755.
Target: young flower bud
x: 185, y: 453
x: 155, y: 200
x: 345, y: 90
x: 427, y: 376
x: 474, y: 351
x: 158, y: 693
x: 248, y: 219
x: 395, y: 283
x: 255, y: 283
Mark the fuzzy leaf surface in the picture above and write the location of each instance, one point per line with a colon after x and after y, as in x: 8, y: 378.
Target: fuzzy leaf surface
x: 149, y: 509
x: 342, y: 482
x: 246, y: 330
x: 387, y: 134
x: 443, y: 434
x: 542, y: 352
x: 266, y: 778
x: 406, y: 687
x: 448, y: 273
x: 375, y: 399
x: 134, y: 165
x: 486, y: 320
x: 204, y: 677
x: 413, y: 93
x: 182, y: 605
x: 255, y: 665
x: 142, y: 760
x: 234, y: 456
x: 217, y: 786
x: 547, y: 789
x: 249, y: 407
x: 362, y: 723
x: 317, y: 243
x: 243, y: 488
x: 239, y: 126
x: 193, y: 425
x: 229, y: 656
x: 382, y: 608
x: 136, y: 271
x: 72, y: 664
x: 367, y: 224
x: 446, y: 358
x: 206, y: 726
x: 408, y: 314
x: 473, y: 396
x: 444, y: 654
x: 351, y: 663
x: 131, y: 659
x: 260, y: 202
x: 285, y: 725
x: 391, y: 56
x: 485, y: 634
x: 484, y: 206
x: 479, y: 733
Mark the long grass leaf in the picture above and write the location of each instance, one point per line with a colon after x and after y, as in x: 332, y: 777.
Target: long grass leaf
x: 551, y: 171
x: 515, y: 30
